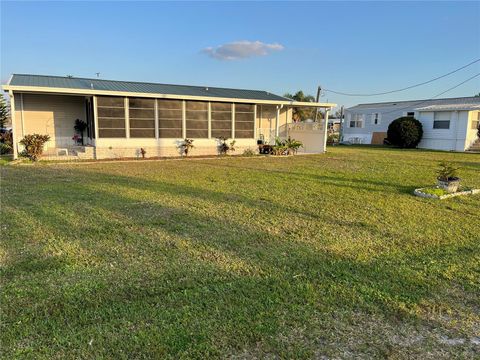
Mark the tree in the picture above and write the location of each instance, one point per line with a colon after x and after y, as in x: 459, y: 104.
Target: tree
x: 4, y: 112
x: 478, y: 95
x: 302, y: 113
x: 405, y: 132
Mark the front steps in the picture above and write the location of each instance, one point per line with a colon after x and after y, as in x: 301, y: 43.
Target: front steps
x: 475, y: 147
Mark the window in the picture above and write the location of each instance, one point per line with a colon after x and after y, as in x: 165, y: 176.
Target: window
x: 375, y: 118
x: 170, y: 115
x: 476, y: 123
x: 111, y: 117
x: 221, y: 120
x: 356, y: 121
x: 441, y: 120
x: 244, y: 121
x: 141, y: 117
x: 411, y: 114
x: 197, y: 119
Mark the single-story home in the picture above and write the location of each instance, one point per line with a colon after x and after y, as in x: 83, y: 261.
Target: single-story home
x: 448, y: 124
x: 124, y: 117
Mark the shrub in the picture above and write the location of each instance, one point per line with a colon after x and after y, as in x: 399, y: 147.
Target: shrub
x: 6, y: 142
x: 405, y: 132
x: 186, y: 146
x: 224, y: 148
x: 249, y: 152
x: 292, y: 145
x: 34, y: 145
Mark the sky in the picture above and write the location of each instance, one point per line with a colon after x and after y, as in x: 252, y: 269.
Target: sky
x: 281, y: 47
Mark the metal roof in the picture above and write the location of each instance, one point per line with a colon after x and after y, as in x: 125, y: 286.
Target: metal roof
x: 64, y: 82
x: 460, y: 103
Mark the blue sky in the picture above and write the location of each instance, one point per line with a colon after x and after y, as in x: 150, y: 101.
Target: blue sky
x: 276, y: 46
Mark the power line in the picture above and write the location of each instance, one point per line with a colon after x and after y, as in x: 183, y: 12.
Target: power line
x: 436, y: 96
x: 405, y: 88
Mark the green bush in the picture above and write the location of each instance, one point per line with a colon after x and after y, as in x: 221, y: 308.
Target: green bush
x: 34, y: 145
x: 405, y: 132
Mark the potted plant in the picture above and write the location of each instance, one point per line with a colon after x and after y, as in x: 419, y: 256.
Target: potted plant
x: 80, y: 126
x: 186, y: 146
x: 447, y: 177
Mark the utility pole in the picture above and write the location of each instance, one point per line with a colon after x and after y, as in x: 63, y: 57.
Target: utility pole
x: 319, y: 90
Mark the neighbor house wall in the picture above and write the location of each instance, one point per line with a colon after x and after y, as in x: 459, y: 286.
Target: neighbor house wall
x: 364, y: 134
x: 52, y: 115
x: 452, y: 139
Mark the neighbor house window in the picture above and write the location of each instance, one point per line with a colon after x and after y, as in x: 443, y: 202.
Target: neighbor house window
x: 356, y: 121
x: 111, y: 117
x: 411, y: 114
x: 221, y: 120
x: 375, y: 119
x: 197, y: 119
x: 141, y: 117
x: 476, y: 123
x: 170, y: 115
x: 441, y: 120
x: 244, y: 121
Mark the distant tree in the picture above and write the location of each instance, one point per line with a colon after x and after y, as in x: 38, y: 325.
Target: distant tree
x: 4, y: 112
x: 302, y: 113
x: 478, y: 95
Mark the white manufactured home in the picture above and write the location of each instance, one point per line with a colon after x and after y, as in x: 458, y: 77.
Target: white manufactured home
x: 126, y: 118
x: 448, y: 124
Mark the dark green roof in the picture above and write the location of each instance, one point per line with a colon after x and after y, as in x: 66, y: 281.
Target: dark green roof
x: 139, y: 87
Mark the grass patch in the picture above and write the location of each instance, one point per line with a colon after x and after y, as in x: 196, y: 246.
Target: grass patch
x: 292, y: 257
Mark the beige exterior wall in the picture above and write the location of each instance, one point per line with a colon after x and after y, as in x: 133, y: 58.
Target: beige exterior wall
x: 130, y: 148
x: 53, y: 115
x: 266, y: 121
x: 473, y: 116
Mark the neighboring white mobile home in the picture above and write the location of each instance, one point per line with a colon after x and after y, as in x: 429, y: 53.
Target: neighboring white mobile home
x: 126, y: 118
x: 448, y: 124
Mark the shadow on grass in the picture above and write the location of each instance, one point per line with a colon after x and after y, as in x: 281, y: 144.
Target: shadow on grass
x: 188, y: 301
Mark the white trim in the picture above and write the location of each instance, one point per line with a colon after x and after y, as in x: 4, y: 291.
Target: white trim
x: 156, y: 119
x: 127, y: 117
x: 325, y: 131
x: 95, y: 118
x: 255, y: 121
x: 184, y: 119
x: 209, y: 120
x: 233, y: 120
x: 277, y: 121
x: 39, y: 89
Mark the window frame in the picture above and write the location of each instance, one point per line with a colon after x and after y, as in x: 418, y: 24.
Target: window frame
x: 437, y: 123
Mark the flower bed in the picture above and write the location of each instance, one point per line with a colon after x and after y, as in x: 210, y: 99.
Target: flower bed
x: 435, y: 192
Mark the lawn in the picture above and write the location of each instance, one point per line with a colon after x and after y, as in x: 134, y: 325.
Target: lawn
x: 320, y: 256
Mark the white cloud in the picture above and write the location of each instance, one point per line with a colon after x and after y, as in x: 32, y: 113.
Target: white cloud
x: 241, y: 50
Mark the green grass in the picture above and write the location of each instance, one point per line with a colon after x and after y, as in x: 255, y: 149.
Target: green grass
x: 434, y: 191
x: 300, y: 257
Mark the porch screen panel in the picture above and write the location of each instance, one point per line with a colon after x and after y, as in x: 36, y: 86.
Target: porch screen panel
x: 197, y: 119
x: 221, y: 120
x: 170, y: 118
x: 111, y: 117
x: 141, y: 115
x: 244, y: 121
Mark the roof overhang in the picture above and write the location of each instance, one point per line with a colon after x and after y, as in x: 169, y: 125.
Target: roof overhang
x: 459, y: 107
x: 87, y: 92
